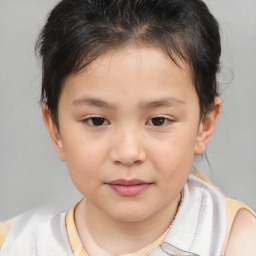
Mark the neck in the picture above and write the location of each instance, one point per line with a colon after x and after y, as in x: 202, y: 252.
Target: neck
x: 121, y: 237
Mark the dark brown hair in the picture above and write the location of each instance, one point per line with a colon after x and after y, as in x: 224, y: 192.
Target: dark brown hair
x: 79, y: 31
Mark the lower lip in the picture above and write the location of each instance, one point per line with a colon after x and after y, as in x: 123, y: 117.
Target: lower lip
x: 129, y: 190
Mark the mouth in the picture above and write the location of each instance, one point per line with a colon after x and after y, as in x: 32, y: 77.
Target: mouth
x: 128, y: 188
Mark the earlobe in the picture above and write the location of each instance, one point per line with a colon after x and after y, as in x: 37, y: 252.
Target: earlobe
x: 53, y: 132
x: 207, y: 126
x: 60, y: 143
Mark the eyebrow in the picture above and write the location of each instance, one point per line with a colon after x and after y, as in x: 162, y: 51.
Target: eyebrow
x: 93, y: 102
x: 164, y: 102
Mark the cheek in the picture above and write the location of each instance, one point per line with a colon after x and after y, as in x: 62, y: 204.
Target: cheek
x: 84, y: 162
x: 175, y: 155
x: 83, y: 171
x: 175, y: 148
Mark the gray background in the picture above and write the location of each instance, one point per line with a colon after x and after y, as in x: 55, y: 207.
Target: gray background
x: 30, y: 172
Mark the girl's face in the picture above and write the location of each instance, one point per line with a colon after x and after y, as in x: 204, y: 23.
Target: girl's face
x: 129, y: 128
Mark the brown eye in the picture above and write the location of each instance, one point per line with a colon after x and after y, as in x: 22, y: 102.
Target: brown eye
x: 96, y: 121
x: 159, y: 121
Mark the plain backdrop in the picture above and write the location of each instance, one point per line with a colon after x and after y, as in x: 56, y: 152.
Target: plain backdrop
x: 31, y: 174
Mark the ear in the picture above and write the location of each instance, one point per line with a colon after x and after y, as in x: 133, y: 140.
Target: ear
x: 53, y: 132
x: 207, y: 126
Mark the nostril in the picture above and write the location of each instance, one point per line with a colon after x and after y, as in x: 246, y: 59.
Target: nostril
x: 128, y: 163
x: 138, y: 162
x: 128, y: 158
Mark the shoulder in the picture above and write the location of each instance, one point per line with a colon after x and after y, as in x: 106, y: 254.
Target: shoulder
x: 13, y: 231
x: 37, y: 231
x: 242, y: 238
x: 5, y: 228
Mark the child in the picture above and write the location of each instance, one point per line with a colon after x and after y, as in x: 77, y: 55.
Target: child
x: 129, y: 96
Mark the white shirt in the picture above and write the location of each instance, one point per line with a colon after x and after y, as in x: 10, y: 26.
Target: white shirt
x: 198, y: 229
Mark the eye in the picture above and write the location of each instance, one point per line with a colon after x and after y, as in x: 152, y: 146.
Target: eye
x: 96, y: 121
x: 159, y: 121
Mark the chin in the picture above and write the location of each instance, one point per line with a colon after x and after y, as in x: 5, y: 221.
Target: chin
x: 130, y: 215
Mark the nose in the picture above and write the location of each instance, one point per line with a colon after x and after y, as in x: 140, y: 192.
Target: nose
x: 128, y: 149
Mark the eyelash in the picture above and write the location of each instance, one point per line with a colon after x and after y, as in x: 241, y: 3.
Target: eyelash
x: 161, y: 120
x: 90, y: 121
x: 98, y: 121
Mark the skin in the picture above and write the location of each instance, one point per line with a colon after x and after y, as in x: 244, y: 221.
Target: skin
x: 242, y: 239
x: 129, y: 88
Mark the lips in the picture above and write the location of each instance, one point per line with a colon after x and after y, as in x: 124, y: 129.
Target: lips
x: 128, y: 188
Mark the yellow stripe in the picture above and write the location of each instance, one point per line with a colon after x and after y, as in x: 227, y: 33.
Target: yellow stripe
x: 233, y: 206
x: 4, y: 230
x: 73, y: 236
x: 79, y: 250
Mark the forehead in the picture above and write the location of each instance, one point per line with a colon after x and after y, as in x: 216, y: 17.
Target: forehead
x: 131, y: 70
